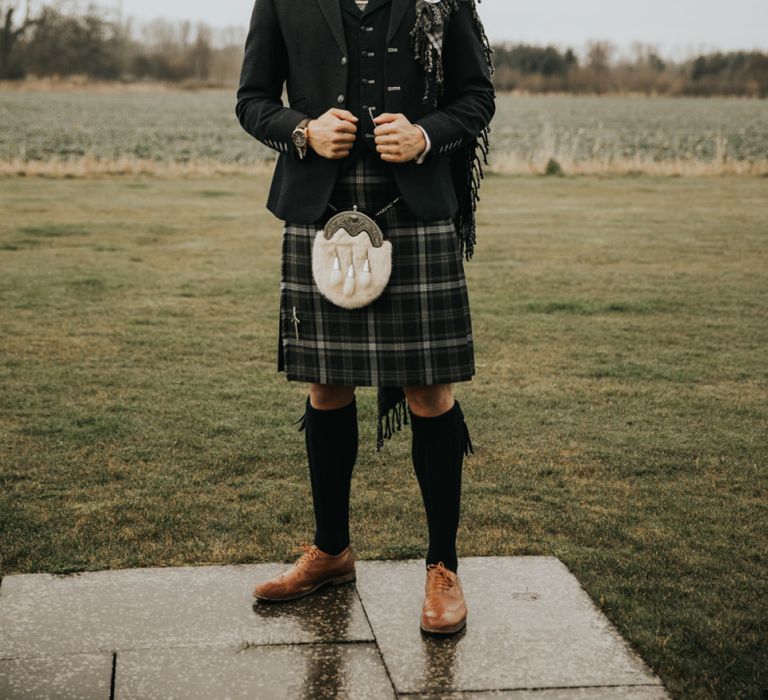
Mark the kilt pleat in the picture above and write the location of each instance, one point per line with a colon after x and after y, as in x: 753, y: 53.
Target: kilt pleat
x: 419, y: 331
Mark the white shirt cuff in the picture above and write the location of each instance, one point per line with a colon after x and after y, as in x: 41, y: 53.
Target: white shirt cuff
x: 423, y: 155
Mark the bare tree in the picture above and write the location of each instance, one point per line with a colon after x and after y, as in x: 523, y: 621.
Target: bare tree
x: 600, y: 55
x: 200, y: 53
x: 10, y: 35
x: 647, y: 55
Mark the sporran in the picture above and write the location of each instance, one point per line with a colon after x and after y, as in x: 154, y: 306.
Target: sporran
x: 351, y: 259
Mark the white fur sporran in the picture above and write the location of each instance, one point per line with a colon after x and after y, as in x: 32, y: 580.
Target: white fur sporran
x: 351, y: 260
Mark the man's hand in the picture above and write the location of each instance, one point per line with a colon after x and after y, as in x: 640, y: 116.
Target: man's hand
x: 332, y: 134
x: 397, y: 140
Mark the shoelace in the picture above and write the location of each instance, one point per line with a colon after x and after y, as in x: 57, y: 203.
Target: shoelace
x: 442, y: 581
x: 310, y: 554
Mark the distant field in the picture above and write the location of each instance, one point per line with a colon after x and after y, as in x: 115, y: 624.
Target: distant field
x: 191, y: 130
x: 618, y: 413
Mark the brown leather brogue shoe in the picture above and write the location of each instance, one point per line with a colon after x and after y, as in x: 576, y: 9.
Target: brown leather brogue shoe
x: 444, y: 610
x: 313, y: 569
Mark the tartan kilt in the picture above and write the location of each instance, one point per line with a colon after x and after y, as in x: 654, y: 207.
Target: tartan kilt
x: 419, y: 330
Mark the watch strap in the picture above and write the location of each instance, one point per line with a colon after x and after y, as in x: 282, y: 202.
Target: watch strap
x: 301, y: 126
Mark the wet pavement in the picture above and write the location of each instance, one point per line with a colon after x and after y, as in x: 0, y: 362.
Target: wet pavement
x: 196, y: 632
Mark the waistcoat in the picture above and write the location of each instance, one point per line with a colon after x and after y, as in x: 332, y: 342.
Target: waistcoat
x: 365, y: 33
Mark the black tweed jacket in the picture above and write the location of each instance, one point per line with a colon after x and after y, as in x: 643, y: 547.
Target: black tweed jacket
x: 300, y: 44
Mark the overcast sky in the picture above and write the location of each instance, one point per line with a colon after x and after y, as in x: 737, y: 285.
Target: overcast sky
x: 678, y: 27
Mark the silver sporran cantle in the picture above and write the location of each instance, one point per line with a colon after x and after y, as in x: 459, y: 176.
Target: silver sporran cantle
x: 351, y: 259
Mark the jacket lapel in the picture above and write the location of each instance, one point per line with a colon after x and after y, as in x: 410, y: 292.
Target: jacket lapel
x: 332, y: 11
x: 396, y: 16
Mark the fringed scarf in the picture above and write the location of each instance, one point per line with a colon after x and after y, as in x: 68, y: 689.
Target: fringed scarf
x: 466, y: 166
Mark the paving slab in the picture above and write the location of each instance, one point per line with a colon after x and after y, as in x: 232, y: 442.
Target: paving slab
x: 104, y: 611
x: 306, y: 671
x: 193, y: 632
x: 530, y: 625
x: 83, y: 676
x: 614, y: 692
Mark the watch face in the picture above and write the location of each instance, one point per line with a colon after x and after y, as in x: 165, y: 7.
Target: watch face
x: 300, y: 138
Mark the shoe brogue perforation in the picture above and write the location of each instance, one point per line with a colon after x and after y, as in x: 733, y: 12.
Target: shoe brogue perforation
x: 313, y: 569
x: 444, y: 610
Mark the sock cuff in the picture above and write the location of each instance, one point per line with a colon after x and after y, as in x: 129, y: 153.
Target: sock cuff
x: 329, y: 414
x: 454, y: 413
x: 332, y: 413
x: 332, y: 410
x: 438, y: 425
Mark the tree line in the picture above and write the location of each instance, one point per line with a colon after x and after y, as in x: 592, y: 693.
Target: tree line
x: 548, y: 69
x: 58, y: 39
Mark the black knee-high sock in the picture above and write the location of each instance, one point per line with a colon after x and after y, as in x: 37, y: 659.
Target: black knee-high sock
x: 438, y: 446
x: 331, y: 440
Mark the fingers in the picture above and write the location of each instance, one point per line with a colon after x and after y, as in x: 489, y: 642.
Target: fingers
x: 334, y: 133
x: 340, y: 152
x: 344, y: 114
x: 345, y: 127
x: 389, y: 150
x: 385, y: 129
x: 336, y: 151
x: 386, y: 117
x: 342, y: 128
x: 341, y: 144
x: 392, y: 158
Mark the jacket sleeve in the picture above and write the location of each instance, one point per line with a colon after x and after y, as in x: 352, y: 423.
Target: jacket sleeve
x: 468, y: 102
x: 259, y: 107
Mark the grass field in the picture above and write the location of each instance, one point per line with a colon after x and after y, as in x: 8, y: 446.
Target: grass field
x: 618, y: 415
x: 129, y: 129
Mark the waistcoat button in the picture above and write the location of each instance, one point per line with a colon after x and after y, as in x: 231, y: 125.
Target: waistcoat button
x: 343, y: 60
x: 340, y: 99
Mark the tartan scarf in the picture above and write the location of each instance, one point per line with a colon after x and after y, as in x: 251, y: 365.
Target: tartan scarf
x: 466, y: 166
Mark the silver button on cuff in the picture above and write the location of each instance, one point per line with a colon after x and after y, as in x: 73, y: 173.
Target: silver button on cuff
x: 340, y: 99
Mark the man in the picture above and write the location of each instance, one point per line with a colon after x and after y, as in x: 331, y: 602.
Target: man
x: 388, y: 101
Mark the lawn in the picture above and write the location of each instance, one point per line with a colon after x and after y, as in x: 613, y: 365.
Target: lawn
x: 618, y: 415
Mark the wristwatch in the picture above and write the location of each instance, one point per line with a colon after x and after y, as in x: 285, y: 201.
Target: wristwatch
x: 299, y: 137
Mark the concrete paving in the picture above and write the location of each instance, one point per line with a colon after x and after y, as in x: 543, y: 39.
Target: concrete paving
x: 196, y: 632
